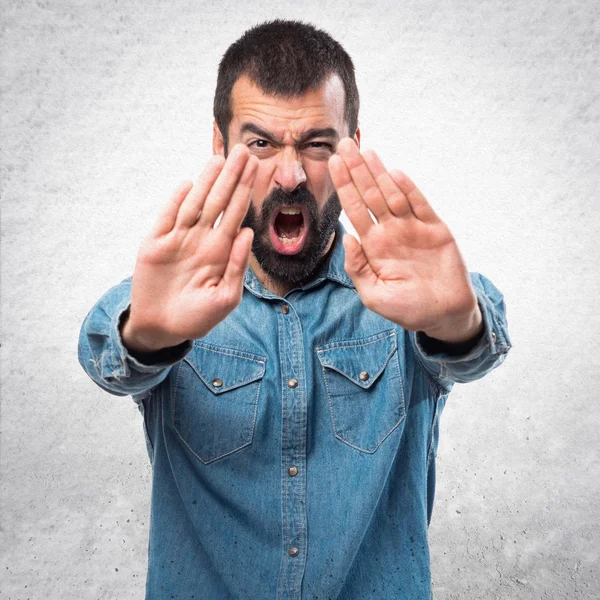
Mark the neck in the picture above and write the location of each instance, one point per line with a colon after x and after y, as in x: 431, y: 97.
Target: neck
x: 278, y: 287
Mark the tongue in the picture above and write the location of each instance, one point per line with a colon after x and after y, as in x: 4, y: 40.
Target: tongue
x: 288, y: 226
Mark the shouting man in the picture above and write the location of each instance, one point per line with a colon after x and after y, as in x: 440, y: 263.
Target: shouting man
x: 291, y: 377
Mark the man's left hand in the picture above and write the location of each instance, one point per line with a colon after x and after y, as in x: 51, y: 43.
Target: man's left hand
x: 407, y: 266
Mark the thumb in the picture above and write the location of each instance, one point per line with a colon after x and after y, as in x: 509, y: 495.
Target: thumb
x: 357, y: 264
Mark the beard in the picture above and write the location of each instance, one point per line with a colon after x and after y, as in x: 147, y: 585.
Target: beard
x: 295, y: 268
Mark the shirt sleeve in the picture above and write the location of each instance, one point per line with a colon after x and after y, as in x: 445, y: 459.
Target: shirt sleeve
x: 104, y: 357
x: 467, y: 362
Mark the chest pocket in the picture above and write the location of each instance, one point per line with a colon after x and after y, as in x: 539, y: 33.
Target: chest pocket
x: 364, y: 389
x: 215, y: 400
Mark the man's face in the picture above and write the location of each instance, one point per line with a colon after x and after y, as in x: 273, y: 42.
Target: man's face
x: 294, y: 208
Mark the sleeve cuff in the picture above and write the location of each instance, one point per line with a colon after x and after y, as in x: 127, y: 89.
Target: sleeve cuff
x: 432, y: 346
x: 152, y: 362
x: 437, y: 350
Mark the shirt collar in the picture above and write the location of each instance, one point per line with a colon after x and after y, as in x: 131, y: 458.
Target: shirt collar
x: 332, y: 268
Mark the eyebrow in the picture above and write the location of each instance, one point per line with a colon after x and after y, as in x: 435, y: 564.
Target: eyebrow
x: 328, y: 132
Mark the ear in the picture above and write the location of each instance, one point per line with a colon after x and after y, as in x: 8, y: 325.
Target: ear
x: 356, y: 137
x: 218, y: 145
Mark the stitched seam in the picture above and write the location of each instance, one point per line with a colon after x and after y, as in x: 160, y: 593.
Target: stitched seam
x: 342, y: 280
x: 352, y: 343
x: 303, y: 420
x: 433, y: 423
x: 284, y: 487
x: 363, y: 385
x: 329, y: 401
x: 174, y: 399
x: 496, y: 324
x: 331, y: 412
x: 208, y: 461
x: 433, y: 384
x: 230, y: 352
x: 231, y: 387
x: 401, y: 380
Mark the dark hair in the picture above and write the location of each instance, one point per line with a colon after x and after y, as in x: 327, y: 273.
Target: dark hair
x: 287, y: 59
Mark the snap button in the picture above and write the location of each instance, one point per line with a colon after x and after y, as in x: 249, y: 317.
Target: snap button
x: 493, y: 336
x: 293, y: 551
x: 217, y: 382
x: 293, y: 471
x: 292, y: 383
x: 285, y: 309
x: 364, y: 376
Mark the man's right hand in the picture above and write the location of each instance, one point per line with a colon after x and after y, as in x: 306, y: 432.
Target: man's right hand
x: 189, y: 274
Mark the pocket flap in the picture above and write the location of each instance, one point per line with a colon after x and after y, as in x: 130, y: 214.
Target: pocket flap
x: 362, y: 360
x: 224, y: 369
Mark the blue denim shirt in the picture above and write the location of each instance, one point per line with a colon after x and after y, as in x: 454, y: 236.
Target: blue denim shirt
x: 292, y: 448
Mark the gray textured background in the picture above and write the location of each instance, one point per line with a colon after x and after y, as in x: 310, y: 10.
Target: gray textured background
x: 492, y: 107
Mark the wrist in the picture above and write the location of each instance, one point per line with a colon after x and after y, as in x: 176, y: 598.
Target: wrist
x: 459, y: 330
x: 140, y: 340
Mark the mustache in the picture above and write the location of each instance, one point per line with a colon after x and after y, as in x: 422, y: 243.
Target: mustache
x: 279, y: 197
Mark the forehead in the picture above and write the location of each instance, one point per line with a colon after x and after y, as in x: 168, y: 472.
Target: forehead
x: 320, y: 108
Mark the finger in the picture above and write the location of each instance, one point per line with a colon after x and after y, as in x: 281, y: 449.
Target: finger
x: 239, y: 257
x: 192, y: 205
x: 363, y: 180
x: 168, y: 216
x: 237, y: 208
x: 357, y: 266
x: 394, y: 197
x: 221, y: 192
x: 352, y: 203
x: 418, y: 203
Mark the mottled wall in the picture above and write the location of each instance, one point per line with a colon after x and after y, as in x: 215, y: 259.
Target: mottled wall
x: 492, y: 107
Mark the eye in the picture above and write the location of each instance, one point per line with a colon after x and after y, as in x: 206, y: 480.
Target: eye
x: 318, y: 150
x: 262, y: 148
x: 259, y: 144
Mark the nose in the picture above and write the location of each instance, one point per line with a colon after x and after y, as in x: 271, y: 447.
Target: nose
x: 289, y: 173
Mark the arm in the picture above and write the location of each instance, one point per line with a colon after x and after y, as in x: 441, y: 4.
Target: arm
x: 105, y: 357
x: 461, y: 363
x: 188, y: 277
x: 407, y: 267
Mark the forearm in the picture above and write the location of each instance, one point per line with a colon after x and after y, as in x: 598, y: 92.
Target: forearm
x: 466, y: 361
x: 107, y: 360
x: 462, y: 329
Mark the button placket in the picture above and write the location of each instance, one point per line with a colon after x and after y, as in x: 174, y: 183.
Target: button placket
x: 293, y: 450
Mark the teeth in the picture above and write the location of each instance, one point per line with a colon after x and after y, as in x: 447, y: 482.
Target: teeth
x: 290, y: 211
x: 288, y: 241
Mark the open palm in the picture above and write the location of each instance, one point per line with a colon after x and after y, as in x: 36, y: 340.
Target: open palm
x: 189, y: 273
x: 407, y: 266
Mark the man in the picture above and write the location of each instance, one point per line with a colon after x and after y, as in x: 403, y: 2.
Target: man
x: 291, y: 378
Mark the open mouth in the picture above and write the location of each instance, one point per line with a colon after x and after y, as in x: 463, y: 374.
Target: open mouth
x: 289, y: 228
